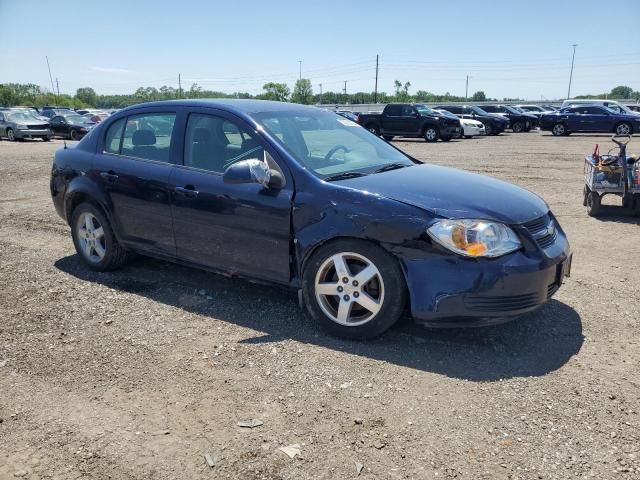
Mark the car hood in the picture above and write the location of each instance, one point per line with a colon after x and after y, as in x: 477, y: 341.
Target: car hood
x: 452, y: 193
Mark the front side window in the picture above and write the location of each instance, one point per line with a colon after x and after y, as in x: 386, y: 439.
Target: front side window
x: 148, y: 136
x: 214, y: 143
x: 328, y: 144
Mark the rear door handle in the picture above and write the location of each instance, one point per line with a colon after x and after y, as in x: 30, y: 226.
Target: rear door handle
x: 110, y: 176
x: 188, y: 191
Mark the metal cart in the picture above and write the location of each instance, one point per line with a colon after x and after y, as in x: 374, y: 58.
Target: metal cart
x: 612, y: 175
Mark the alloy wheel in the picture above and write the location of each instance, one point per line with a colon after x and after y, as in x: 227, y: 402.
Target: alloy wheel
x: 559, y: 129
x: 430, y: 135
x: 91, y: 237
x: 11, y: 136
x: 623, y: 129
x: 349, y: 289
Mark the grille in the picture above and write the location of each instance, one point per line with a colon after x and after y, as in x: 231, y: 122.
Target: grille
x: 543, y: 230
x: 480, y: 303
x: 38, y: 127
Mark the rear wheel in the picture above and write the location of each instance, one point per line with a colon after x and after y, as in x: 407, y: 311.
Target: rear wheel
x: 559, y: 129
x: 593, y: 204
x: 431, y: 134
x: 355, y: 289
x: 11, y: 136
x: 74, y: 135
x: 94, y: 239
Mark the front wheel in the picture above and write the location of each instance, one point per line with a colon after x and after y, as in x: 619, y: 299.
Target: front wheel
x: 488, y: 129
x: 517, y: 127
x: 431, y: 134
x: 94, y: 239
x: 355, y: 289
x: 74, y: 135
x: 559, y: 130
x: 11, y: 136
x: 624, y: 129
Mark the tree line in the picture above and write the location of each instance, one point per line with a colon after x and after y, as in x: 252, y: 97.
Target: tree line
x: 13, y: 94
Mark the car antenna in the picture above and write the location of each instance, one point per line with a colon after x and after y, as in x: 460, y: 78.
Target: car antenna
x: 65, y: 144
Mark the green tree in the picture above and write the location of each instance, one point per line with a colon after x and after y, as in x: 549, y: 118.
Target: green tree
x: 87, y: 95
x: 621, y: 91
x: 276, y: 91
x: 302, y: 92
x: 479, y: 96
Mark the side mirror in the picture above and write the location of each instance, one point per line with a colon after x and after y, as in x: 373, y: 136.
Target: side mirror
x: 253, y: 171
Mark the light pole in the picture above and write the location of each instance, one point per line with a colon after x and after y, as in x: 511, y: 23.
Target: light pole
x: 573, y: 57
x: 466, y: 89
x: 300, y: 64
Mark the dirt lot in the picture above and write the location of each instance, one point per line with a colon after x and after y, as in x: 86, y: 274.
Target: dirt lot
x: 139, y: 373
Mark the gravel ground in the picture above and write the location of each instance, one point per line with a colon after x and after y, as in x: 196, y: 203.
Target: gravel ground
x: 139, y: 373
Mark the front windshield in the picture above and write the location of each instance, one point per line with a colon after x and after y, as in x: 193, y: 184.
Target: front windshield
x: 20, y: 117
x: 76, y: 119
x: 478, y: 111
x: 329, y: 144
x: 510, y: 109
x: 446, y: 113
x: 423, y: 109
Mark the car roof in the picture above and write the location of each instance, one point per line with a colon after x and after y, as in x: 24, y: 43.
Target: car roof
x: 246, y: 107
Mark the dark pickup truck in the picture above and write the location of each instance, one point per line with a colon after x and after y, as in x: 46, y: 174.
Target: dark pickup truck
x: 410, y: 120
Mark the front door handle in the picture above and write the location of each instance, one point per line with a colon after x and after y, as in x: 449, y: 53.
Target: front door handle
x: 187, y: 191
x: 110, y: 176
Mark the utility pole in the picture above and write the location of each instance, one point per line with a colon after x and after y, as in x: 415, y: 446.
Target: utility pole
x: 51, y: 77
x: 375, y: 92
x: 466, y: 89
x: 573, y: 57
x: 300, y: 65
x: 179, y: 86
x: 320, y: 94
x: 57, y: 86
x: 345, y: 87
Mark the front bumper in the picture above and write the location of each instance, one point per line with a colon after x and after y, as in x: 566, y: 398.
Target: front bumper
x: 447, y: 290
x: 29, y: 133
x: 473, y: 131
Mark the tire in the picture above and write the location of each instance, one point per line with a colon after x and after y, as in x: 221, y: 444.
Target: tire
x: 10, y: 135
x: 559, y: 129
x: 624, y: 128
x: 468, y: 136
x: 113, y: 255
x: 431, y: 134
x: 445, y: 139
x: 593, y: 204
x: 385, y: 291
x: 373, y: 129
x: 488, y: 129
x: 46, y: 139
x: 388, y: 138
x: 517, y: 127
x: 73, y: 135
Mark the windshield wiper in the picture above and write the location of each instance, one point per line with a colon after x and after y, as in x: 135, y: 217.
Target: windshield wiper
x: 344, y: 176
x: 391, y: 166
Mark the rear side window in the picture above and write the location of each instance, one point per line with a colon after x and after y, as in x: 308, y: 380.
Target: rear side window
x: 148, y: 136
x: 113, y: 136
x: 394, y: 110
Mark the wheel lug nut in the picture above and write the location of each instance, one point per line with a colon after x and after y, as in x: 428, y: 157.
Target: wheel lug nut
x: 340, y: 288
x: 346, y: 298
x: 356, y: 294
x: 345, y: 280
x: 355, y: 283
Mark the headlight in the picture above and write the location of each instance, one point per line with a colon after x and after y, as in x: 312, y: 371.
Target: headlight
x: 474, y: 238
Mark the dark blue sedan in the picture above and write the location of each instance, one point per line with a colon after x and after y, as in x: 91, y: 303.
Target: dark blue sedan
x: 589, y: 118
x: 298, y: 196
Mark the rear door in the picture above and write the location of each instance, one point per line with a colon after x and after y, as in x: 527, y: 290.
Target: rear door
x: 598, y: 119
x: 391, y: 119
x: 132, y: 167
x: 237, y: 228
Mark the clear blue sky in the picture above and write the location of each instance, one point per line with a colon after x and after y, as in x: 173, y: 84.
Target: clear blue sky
x: 509, y: 48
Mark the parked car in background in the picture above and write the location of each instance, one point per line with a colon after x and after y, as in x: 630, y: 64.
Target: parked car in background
x: 348, y: 114
x: 96, y: 117
x: 470, y: 128
x: 51, y: 112
x: 610, y: 104
x: 493, y: 124
x: 30, y: 111
x: 410, y: 120
x: 17, y: 125
x: 634, y: 107
x: 297, y: 196
x: 589, y: 118
x: 535, y: 109
x: 71, y: 125
x: 518, y: 121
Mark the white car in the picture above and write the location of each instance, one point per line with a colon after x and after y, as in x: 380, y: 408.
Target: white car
x: 472, y: 128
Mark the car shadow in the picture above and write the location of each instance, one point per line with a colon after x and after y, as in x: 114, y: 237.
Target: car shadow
x: 533, y: 345
x: 617, y: 214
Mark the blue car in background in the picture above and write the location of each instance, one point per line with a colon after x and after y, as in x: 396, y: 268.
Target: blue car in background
x: 301, y: 197
x: 589, y: 118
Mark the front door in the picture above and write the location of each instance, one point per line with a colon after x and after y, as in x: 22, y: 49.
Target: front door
x: 236, y: 228
x: 133, y: 168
